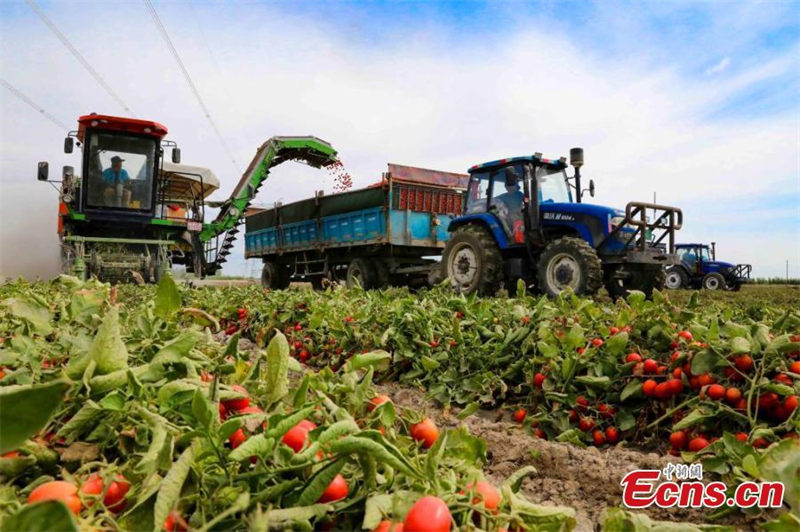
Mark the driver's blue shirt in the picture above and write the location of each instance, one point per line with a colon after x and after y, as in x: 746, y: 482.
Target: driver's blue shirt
x: 111, y: 177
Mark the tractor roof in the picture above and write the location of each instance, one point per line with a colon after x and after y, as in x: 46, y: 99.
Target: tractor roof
x: 536, y: 158
x: 691, y: 245
x: 121, y: 124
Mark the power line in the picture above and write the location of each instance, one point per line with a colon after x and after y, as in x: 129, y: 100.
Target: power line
x: 74, y: 51
x: 13, y: 90
x: 188, y: 78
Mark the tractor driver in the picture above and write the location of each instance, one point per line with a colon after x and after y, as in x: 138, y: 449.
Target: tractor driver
x: 117, y: 191
x: 510, y: 203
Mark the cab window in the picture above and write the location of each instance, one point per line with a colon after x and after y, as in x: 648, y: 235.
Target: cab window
x: 120, y: 171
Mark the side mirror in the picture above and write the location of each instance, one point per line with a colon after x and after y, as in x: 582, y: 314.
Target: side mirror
x: 176, y: 155
x: 44, y: 170
x: 68, y: 144
x: 591, y: 187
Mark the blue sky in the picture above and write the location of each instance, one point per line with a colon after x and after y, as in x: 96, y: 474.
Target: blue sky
x: 698, y: 102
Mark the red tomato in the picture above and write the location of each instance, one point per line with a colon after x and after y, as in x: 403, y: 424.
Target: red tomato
x: 538, y: 380
x: 760, y: 443
x: 223, y: 412
x: 741, y: 436
x: 297, y: 436
x: 114, y: 498
x: 715, y: 392
x: 675, y: 386
x: 795, y: 367
x: 598, y: 438
x: 614, y: 330
x: 388, y: 526
x: 175, y: 523
x: 240, y: 403
x: 335, y: 491
x: 678, y: 439
x: 784, y: 378
x: 429, y: 514
x: 377, y: 401
x: 487, y: 494
x: 205, y: 376
x: 426, y: 432
x: 698, y: 444
x: 790, y: 404
x: 597, y: 342
x: 767, y: 400
x: 705, y: 379
x: 650, y: 366
x: 663, y: 390
x: 612, y: 435
x: 686, y: 335
x: 57, y: 490
x: 743, y: 363
x: 732, y: 395
x: 649, y: 387
x: 582, y: 401
x: 237, y: 438
x: 586, y: 424
x: 519, y: 415
x: 633, y: 357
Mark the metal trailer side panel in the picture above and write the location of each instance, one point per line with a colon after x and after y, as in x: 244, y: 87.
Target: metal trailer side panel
x: 418, y: 229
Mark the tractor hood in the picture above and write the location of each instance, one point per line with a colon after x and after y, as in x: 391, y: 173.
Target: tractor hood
x: 597, y: 211
x: 718, y: 264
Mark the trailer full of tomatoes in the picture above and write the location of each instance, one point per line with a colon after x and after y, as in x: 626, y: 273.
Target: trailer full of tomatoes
x: 135, y: 408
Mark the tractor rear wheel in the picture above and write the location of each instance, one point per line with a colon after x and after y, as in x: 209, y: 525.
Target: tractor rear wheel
x: 676, y: 278
x: 472, y: 261
x: 360, y: 272
x: 569, y: 263
x: 713, y: 281
x: 274, y: 277
x: 622, y: 279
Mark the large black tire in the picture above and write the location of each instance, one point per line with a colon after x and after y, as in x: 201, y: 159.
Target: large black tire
x: 274, y: 277
x: 644, y: 278
x: 472, y: 261
x: 569, y: 263
x: 676, y: 278
x: 713, y: 281
x: 361, y: 272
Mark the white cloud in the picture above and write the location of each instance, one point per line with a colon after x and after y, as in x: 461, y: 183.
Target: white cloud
x: 413, y: 98
x: 720, y: 67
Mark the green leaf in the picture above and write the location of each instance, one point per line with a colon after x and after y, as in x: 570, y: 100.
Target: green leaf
x: 739, y: 345
x: 693, y: 418
x: 107, y: 349
x: 633, y: 387
x: 319, y: 482
x: 277, y: 368
x: 25, y: 410
x: 601, y: 383
x: 258, y: 445
x: 377, y: 359
x: 34, y: 313
x: 617, y: 343
x: 468, y: 410
x: 204, y: 412
x: 170, y: 490
x: 47, y: 515
x: 168, y: 300
x: 704, y: 361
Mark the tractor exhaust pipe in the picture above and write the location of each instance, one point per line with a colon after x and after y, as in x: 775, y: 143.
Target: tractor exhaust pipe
x: 576, y: 160
x: 713, y: 251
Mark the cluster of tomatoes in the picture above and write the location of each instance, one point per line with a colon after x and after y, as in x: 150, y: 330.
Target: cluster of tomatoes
x: 232, y: 326
x: 111, y: 492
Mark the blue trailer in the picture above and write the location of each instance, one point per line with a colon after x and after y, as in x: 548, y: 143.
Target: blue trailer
x: 382, y: 234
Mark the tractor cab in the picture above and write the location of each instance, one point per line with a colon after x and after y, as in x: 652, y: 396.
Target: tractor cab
x: 121, y: 167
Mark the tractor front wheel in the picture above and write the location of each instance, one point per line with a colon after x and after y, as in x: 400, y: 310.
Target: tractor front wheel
x: 472, y: 261
x: 569, y: 263
x: 713, y: 281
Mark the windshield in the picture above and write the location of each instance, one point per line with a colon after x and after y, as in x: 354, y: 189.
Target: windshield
x: 705, y: 254
x: 120, y: 171
x: 553, y: 186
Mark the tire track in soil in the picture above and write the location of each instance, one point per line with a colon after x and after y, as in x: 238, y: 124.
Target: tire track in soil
x: 585, y: 479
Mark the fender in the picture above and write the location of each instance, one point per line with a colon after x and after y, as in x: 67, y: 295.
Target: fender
x: 580, y: 228
x: 487, y: 220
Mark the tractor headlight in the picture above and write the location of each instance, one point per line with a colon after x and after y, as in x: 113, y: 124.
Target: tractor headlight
x: 614, y: 222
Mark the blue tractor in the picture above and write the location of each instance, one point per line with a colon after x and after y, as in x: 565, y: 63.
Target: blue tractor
x: 699, y: 268
x: 522, y: 222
